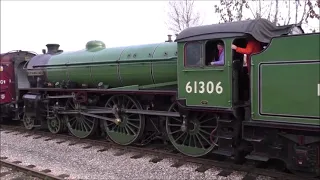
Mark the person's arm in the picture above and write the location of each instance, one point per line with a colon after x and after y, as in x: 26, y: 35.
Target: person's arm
x: 220, y: 61
x: 247, y: 50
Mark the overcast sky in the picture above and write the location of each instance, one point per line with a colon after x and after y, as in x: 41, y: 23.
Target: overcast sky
x: 30, y: 25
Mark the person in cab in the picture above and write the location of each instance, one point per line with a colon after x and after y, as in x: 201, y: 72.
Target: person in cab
x: 253, y: 46
x: 220, y: 62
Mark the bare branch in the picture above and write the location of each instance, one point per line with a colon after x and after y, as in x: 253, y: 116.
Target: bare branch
x: 275, y: 20
x: 231, y: 10
x: 182, y: 15
x: 297, y: 7
x: 304, y: 13
x: 280, y: 15
x: 270, y: 8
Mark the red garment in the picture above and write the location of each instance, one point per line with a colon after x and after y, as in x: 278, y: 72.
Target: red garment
x: 252, y: 47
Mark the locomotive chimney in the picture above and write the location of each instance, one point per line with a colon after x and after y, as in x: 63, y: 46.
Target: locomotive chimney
x: 52, y: 48
x: 169, y: 38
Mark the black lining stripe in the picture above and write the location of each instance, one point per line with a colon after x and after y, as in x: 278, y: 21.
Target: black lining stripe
x: 67, y: 70
x: 151, y: 65
x: 118, y: 67
x: 90, y: 69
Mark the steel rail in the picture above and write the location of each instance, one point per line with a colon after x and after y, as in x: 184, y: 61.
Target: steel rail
x: 29, y: 170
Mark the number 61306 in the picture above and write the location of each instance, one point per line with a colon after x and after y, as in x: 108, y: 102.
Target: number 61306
x: 202, y: 87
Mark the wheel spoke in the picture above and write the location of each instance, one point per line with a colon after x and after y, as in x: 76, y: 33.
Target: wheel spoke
x: 201, y: 116
x: 113, y: 102
x: 86, y: 123
x: 200, y: 141
x: 190, y: 140
x: 175, y: 132
x: 81, y: 126
x: 195, y: 139
x: 86, y: 126
x: 177, y: 119
x: 127, y: 105
x: 87, y: 119
x: 127, y: 130
x: 132, y: 107
x: 185, y: 139
x: 114, y: 128
x: 131, y: 126
x: 55, y: 122
x: 204, y: 138
x: 28, y: 122
x: 174, y: 125
x: 134, y: 133
x: 210, y: 119
x: 180, y: 136
x: 129, y: 119
x: 205, y: 132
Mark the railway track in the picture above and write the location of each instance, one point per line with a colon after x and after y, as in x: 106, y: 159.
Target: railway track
x: 25, y: 172
x: 160, y: 152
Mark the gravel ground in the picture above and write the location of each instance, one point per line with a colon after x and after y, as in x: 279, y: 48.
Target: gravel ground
x: 90, y: 164
x: 8, y: 174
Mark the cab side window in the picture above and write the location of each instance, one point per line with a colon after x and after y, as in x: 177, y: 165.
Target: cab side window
x: 192, y: 54
x: 215, y: 54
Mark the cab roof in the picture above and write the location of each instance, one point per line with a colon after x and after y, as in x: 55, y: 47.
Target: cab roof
x: 261, y: 29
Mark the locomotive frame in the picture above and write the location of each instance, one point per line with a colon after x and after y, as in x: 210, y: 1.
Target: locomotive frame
x: 208, y: 109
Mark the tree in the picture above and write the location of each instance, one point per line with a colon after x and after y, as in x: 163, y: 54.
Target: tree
x: 182, y: 14
x: 279, y: 12
x: 230, y: 11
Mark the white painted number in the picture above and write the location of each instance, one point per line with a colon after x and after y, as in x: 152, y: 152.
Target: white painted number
x: 202, y: 87
x: 318, y: 89
x: 2, y: 81
x: 210, y: 87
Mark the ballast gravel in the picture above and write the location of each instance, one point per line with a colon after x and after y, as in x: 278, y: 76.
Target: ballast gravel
x: 82, y: 163
x: 9, y: 174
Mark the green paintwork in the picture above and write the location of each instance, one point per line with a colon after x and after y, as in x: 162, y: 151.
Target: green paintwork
x: 170, y: 67
x: 193, y: 151
x: 208, y: 73
x: 159, y: 85
x: 121, y: 138
x: 98, y: 64
x: 108, y: 74
x: 154, y: 86
x: 81, y: 133
x: 95, y: 45
x: 288, y: 89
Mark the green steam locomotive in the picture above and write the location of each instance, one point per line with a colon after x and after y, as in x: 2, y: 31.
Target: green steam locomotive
x: 175, y: 92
